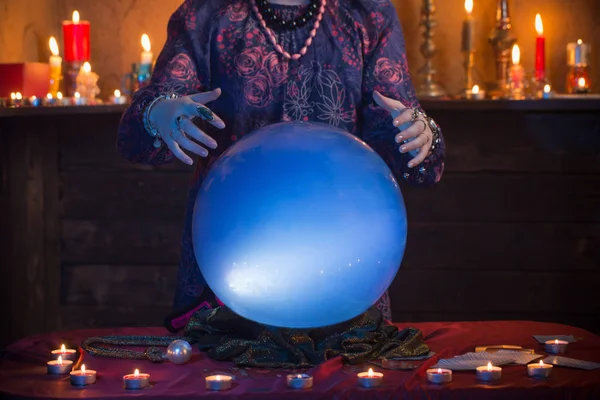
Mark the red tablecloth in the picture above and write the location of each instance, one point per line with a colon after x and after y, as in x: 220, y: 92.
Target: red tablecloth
x: 23, y: 370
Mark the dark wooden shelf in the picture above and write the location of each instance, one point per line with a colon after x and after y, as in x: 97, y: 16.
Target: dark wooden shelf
x: 572, y: 103
x: 564, y: 103
x: 60, y: 111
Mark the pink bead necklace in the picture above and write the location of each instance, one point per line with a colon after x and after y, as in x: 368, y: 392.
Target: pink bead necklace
x: 273, y: 38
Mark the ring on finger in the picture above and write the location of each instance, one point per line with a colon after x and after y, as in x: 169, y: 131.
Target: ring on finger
x: 427, y: 139
x: 205, y: 113
x: 424, y: 124
x: 176, y: 130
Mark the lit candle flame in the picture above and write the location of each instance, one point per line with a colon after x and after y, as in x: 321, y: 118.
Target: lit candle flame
x: 136, y: 373
x: 87, y: 67
x: 469, y: 6
x: 49, y: 97
x: 53, y: 46
x: 516, y: 54
x: 299, y: 376
x: 580, y: 83
x: 439, y: 371
x: 59, y: 361
x: 218, y: 377
x: 489, y: 366
x: 59, y: 95
x: 579, y: 42
x: 76, y: 95
x: 370, y: 373
x: 63, y: 349
x: 146, y: 43
x: 13, y: 96
x: 19, y: 96
x: 539, y: 26
x: 541, y: 363
x: 82, y: 369
x: 117, y: 93
x: 556, y: 341
x: 546, y: 88
x: 75, y: 17
x: 475, y: 89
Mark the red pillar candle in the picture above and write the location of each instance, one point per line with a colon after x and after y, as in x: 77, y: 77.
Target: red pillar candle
x: 540, y: 50
x: 76, y: 36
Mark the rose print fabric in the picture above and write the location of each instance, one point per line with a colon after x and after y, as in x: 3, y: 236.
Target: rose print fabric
x: 358, y: 48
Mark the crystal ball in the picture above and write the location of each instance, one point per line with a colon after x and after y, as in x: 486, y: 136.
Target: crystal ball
x: 299, y: 225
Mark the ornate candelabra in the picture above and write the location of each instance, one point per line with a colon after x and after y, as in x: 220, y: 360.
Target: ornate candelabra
x: 502, y: 40
x: 429, y: 88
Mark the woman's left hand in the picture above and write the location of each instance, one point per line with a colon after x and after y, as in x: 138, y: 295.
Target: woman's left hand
x: 418, y: 133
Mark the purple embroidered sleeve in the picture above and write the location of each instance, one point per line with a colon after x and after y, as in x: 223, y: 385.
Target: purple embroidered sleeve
x: 386, y: 71
x: 175, y: 72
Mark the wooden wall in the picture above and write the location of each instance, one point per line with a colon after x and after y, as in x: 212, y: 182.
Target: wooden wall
x: 117, y: 26
x: 511, y: 232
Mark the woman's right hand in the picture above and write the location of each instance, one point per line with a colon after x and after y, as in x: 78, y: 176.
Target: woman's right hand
x: 173, y: 120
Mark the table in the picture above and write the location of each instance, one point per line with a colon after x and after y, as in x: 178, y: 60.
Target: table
x: 23, y: 370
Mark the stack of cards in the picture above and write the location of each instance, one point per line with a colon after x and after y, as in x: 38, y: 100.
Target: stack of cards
x: 473, y: 360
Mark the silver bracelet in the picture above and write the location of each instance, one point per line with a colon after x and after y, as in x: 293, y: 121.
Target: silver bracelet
x: 148, y: 125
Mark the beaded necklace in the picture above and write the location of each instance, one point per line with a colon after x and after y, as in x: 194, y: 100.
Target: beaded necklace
x: 268, y: 13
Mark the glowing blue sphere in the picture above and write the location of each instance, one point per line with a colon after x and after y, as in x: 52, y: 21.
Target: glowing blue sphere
x: 299, y: 225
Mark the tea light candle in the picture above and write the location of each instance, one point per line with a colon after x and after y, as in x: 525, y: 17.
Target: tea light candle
x: 219, y: 382
x: 59, y: 367
x: 556, y: 346
x: 118, y: 98
x: 299, y: 381
x: 83, y: 377
x: 475, y: 93
x: 35, y: 101
x: 582, y: 86
x: 136, y: 380
x: 539, y: 370
x: 370, y: 379
x: 489, y: 373
x: 78, y: 100
x: 62, y: 101
x: 439, y: 375
x: 547, y: 93
x: 49, y: 100
x: 66, y: 354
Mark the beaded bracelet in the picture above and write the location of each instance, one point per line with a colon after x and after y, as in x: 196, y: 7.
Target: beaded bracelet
x: 148, y: 125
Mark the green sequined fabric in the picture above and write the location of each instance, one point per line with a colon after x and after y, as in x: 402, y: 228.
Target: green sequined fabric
x: 225, y: 336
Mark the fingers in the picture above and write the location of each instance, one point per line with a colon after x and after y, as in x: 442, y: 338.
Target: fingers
x: 423, y: 151
x: 187, y: 144
x: 403, y: 117
x: 176, y: 150
x: 196, y: 133
x: 415, y: 129
x: 206, y: 97
x: 393, y: 106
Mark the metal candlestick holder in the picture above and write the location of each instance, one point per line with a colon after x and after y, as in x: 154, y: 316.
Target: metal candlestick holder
x: 502, y: 41
x: 429, y: 88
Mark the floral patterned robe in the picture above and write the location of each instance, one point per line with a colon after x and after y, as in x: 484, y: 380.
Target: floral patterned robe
x: 211, y: 44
